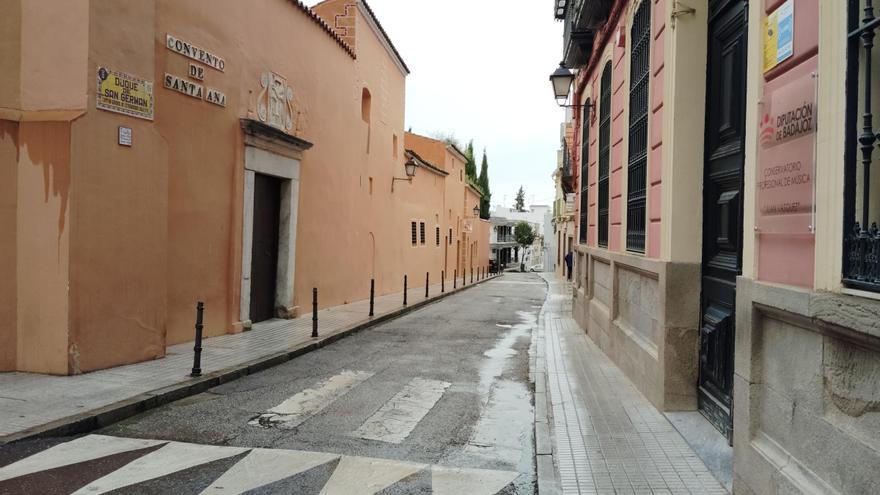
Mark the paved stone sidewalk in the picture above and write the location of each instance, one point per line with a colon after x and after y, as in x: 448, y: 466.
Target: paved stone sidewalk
x: 30, y: 403
x: 607, y: 437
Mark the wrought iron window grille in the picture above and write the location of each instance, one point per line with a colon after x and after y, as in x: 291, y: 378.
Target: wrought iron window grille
x: 637, y: 168
x: 585, y: 166
x: 861, y: 236
x: 604, y: 154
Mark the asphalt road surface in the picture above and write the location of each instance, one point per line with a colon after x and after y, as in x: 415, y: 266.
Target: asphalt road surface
x: 437, y: 401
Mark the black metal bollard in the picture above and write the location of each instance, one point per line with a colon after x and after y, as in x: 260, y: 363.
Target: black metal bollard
x: 472, y: 274
x: 197, y: 348
x: 404, y: 290
x: 455, y: 278
x: 314, y: 312
x: 442, y: 281
x: 427, y: 281
x: 372, y: 294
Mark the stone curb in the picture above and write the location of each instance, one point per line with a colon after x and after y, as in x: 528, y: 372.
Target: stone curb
x: 112, y: 413
x: 548, y: 482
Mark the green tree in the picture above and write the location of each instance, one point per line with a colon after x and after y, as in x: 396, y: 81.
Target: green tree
x: 483, y: 182
x: 520, y: 201
x: 524, y: 234
x: 470, y: 169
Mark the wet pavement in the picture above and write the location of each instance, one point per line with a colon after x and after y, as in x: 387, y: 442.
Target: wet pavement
x: 437, y: 401
x: 607, y: 437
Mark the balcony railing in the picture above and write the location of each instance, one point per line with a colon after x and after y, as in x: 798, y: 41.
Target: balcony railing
x: 582, y: 19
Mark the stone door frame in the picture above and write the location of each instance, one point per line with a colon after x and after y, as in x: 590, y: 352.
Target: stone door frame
x: 271, y: 152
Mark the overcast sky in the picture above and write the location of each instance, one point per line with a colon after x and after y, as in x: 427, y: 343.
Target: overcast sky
x: 480, y: 71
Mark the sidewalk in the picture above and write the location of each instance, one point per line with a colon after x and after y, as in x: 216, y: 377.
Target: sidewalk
x: 32, y: 404
x: 606, y: 436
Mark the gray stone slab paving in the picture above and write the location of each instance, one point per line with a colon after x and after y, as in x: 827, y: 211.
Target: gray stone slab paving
x: 607, y: 437
x: 29, y: 401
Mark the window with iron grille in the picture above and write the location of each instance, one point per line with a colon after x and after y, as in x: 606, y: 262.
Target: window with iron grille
x: 604, y: 153
x: 861, y: 238
x: 637, y: 170
x: 422, y: 232
x: 450, y: 237
x: 437, y: 234
x: 585, y: 166
x: 414, y: 233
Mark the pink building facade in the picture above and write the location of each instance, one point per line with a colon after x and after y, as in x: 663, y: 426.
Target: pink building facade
x: 727, y: 211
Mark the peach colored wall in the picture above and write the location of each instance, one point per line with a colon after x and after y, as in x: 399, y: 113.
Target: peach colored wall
x: 422, y: 201
x: 43, y: 244
x: 10, y: 48
x: 64, y: 52
x: 335, y: 182
x: 467, y: 249
x: 431, y: 150
x: 8, y: 212
x: 116, y: 244
x: 118, y: 274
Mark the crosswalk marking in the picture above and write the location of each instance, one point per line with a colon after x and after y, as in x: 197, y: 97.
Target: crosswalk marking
x: 398, y: 417
x: 169, y: 459
x: 264, y: 466
x: 453, y: 481
x: 73, y: 452
x: 302, y: 406
x: 258, y: 468
x: 364, y: 476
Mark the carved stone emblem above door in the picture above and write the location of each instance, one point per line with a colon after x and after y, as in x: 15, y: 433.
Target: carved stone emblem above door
x: 275, y: 104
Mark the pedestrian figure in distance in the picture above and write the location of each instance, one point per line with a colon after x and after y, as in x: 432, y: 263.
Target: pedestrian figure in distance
x: 568, y: 260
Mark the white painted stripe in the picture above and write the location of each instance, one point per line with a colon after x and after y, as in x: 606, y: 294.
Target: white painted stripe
x: 264, y: 466
x: 80, y: 450
x: 302, y: 406
x: 363, y: 476
x: 398, y: 417
x: 451, y: 481
x: 167, y: 460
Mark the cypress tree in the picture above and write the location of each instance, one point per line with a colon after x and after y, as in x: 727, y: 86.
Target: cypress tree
x: 483, y: 182
x: 470, y: 168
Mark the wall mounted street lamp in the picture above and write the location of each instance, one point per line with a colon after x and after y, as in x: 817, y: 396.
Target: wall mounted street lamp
x: 562, y: 78
x: 477, y: 210
x: 410, y: 168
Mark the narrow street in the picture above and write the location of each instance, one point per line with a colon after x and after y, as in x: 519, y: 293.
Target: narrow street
x: 437, y: 401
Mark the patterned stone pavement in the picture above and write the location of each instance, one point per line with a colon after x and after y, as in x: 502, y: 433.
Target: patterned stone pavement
x: 29, y: 401
x: 607, y: 437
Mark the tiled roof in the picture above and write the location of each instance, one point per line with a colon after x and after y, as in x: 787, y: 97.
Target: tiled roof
x: 326, y: 27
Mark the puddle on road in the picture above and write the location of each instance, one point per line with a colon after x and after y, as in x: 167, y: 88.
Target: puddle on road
x: 503, y: 350
x: 504, y: 431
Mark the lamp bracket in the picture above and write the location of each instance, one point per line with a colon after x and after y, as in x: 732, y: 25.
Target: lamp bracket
x: 395, y: 179
x: 679, y: 9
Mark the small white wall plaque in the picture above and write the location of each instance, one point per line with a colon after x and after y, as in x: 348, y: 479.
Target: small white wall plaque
x: 124, y: 136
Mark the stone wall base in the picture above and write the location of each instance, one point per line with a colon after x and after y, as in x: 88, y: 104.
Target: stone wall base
x: 806, y: 391
x: 644, y: 314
